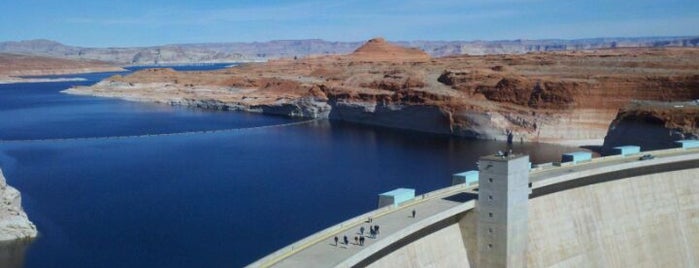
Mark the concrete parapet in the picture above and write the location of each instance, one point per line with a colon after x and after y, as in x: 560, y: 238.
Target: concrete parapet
x: 393, y: 242
x: 328, y: 233
x: 611, y: 211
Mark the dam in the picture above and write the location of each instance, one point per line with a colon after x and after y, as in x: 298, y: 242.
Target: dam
x: 614, y: 211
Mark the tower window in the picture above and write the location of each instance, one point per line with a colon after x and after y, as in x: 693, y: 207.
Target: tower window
x: 490, y: 179
x: 490, y: 197
x: 490, y: 245
x: 490, y: 230
x: 490, y: 214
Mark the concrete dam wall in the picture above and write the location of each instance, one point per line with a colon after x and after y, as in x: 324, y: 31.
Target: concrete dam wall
x: 642, y: 221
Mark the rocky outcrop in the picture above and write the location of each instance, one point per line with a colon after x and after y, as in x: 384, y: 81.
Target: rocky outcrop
x: 653, y: 125
x: 14, y: 224
x: 561, y: 97
x: 378, y: 49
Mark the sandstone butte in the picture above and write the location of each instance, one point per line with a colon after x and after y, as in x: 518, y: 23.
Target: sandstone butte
x: 14, y: 65
x: 556, y: 97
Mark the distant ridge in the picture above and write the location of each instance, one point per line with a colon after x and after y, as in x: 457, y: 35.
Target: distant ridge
x: 232, y: 52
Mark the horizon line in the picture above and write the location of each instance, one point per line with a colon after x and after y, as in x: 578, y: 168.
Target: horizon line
x: 362, y: 41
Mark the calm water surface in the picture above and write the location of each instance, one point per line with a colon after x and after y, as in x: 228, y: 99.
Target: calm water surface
x: 220, y: 199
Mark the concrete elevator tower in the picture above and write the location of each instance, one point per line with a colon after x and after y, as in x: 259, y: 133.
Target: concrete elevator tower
x: 503, y: 196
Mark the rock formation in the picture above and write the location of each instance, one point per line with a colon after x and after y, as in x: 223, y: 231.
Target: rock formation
x: 378, y: 49
x: 653, y: 125
x: 12, y: 66
x: 14, y: 224
x: 547, y: 97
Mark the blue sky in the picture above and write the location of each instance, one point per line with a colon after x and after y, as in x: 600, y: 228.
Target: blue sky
x: 140, y: 23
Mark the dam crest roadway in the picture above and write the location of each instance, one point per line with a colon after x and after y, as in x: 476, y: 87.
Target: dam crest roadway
x: 613, y: 211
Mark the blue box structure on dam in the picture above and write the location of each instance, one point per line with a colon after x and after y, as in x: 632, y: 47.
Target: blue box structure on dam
x: 468, y: 177
x: 687, y: 144
x: 395, y: 197
x: 626, y: 150
x: 576, y: 157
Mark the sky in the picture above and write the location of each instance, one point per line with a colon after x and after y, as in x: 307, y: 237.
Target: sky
x: 102, y: 23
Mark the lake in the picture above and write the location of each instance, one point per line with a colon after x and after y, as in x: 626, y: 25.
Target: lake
x: 201, y: 198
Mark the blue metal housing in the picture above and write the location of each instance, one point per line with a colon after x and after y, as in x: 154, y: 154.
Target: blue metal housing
x: 468, y: 177
x: 576, y: 157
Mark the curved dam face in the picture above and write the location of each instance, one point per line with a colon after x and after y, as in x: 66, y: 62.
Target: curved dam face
x: 646, y: 221
x: 641, y: 221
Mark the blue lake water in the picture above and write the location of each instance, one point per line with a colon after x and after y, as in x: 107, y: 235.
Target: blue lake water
x: 219, y: 199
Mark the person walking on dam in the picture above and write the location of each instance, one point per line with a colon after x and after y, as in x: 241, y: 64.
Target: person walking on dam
x: 346, y: 241
x: 361, y: 230
x: 413, y: 213
x: 336, y: 241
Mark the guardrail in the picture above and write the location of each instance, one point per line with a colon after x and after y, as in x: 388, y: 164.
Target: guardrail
x: 385, y: 242
x: 331, y: 231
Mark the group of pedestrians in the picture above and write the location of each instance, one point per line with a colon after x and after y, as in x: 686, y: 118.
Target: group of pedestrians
x: 359, y: 240
x: 373, y: 232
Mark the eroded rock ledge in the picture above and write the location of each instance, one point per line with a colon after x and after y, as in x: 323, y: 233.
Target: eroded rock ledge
x: 653, y: 125
x: 14, y: 223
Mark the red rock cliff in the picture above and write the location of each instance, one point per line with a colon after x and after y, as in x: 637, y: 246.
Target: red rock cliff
x: 549, y: 97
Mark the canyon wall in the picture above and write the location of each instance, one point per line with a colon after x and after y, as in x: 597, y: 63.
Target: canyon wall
x: 653, y: 125
x: 555, y: 97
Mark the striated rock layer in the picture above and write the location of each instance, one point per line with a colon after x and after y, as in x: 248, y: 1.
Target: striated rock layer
x: 559, y: 97
x: 14, y: 224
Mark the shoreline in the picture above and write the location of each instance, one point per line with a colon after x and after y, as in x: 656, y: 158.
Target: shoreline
x: 19, y: 80
x: 250, y: 108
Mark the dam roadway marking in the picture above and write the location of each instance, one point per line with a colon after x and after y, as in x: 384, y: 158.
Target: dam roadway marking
x: 436, y: 210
